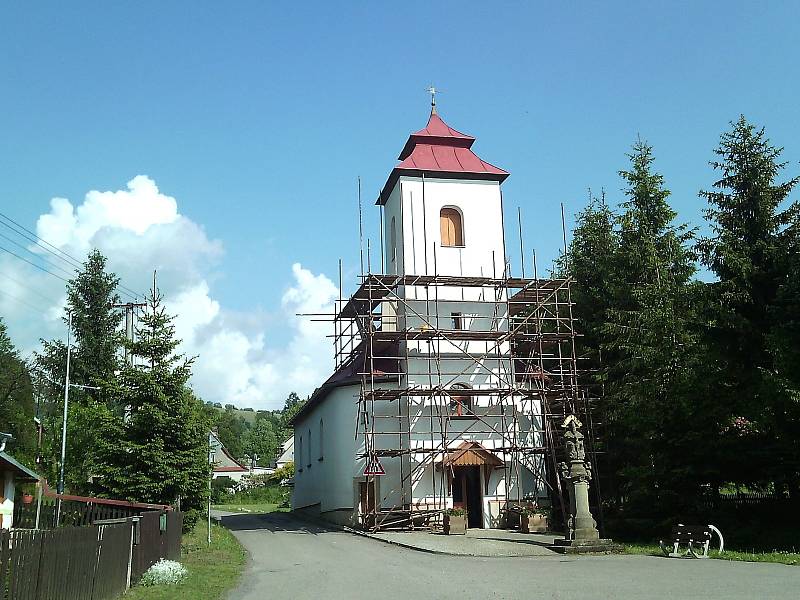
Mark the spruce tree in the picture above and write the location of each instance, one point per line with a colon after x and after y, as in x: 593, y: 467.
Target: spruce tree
x: 650, y: 345
x: 591, y: 264
x: 753, y: 310
x: 95, y: 323
x: 17, y: 407
x: 159, y: 452
x: 96, y: 339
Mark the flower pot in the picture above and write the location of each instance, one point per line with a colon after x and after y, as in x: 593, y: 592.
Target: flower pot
x: 536, y: 523
x: 27, y: 498
x: 455, y: 524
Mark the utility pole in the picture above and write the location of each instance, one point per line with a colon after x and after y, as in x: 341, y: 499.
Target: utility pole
x: 67, y: 385
x: 129, y: 307
x: 66, y: 404
x: 211, y: 456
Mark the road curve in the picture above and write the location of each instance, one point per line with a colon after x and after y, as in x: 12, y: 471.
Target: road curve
x: 294, y: 559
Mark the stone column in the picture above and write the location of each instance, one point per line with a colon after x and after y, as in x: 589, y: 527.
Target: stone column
x: 584, y: 527
x: 582, y: 534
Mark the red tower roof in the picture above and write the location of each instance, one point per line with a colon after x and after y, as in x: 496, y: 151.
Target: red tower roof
x: 440, y: 151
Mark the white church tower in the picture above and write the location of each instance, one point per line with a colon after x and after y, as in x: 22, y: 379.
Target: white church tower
x: 435, y: 366
x: 443, y: 208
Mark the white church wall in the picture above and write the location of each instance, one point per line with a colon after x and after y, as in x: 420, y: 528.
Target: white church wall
x: 327, y: 482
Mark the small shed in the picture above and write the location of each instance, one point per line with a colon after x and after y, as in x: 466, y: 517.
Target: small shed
x: 11, y: 473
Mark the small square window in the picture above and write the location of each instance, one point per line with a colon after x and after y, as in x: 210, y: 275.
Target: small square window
x: 458, y: 320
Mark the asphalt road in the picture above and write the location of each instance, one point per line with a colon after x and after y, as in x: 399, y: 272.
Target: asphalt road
x: 293, y: 559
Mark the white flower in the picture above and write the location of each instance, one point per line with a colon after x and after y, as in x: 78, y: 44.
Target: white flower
x: 164, y: 572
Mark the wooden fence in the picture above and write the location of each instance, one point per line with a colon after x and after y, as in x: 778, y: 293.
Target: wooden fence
x: 75, y: 563
x: 90, y: 562
x: 75, y: 511
x: 154, y: 541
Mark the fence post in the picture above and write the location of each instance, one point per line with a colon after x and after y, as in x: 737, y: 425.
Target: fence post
x: 38, y: 503
x: 131, y: 527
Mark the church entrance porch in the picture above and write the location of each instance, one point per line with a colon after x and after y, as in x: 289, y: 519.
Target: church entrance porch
x: 469, y: 467
x: 467, y: 494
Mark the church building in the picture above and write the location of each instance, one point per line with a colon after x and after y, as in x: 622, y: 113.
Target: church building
x: 446, y: 365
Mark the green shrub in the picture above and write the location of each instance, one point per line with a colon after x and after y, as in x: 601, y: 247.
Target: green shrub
x: 272, y: 494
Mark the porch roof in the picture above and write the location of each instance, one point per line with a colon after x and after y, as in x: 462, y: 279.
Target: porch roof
x: 470, y: 454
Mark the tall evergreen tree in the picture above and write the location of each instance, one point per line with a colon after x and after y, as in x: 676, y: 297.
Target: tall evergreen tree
x: 651, y: 343
x: 17, y: 407
x: 754, y: 235
x: 159, y: 452
x: 591, y: 263
x: 96, y: 339
x: 95, y: 323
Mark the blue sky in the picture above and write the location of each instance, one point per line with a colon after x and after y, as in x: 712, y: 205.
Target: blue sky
x: 258, y: 117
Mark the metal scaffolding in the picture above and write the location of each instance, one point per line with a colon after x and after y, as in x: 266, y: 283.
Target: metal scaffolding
x: 411, y: 358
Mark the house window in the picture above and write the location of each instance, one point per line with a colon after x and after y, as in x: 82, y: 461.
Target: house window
x: 393, y: 242
x: 308, y: 452
x: 461, y: 401
x: 452, y: 227
x: 458, y: 320
x: 321, y: 438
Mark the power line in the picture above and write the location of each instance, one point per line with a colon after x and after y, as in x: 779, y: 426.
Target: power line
x: 50, y: 248
x: 44, y: 260
x: 36, y: 239
x: 33, y: 264
x: 23, y: 302
x: 30, y: 289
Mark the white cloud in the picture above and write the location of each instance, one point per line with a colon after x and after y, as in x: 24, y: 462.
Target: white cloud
x: 237, y: 365
x: 140, y: 229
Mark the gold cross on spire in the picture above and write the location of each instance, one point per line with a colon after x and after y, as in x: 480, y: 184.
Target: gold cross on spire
x: 433, y: 91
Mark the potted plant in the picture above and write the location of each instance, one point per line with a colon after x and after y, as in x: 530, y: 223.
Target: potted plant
x: 455, y: 521
x: 532, y: 519
x: 27, y: 498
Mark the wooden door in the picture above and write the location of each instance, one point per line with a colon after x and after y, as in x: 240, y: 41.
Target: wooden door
x: 366, y: 494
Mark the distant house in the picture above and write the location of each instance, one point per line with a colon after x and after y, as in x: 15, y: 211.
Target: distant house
x: 225, y: 465
x: 11, y: 473
x: 287, y: 453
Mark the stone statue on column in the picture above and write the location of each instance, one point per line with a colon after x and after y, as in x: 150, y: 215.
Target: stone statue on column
x: 582, y: 534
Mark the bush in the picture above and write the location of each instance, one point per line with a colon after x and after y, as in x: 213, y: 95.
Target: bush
x: 221, y: 488
x: 273, y: 494
x: 164, y: 572
x: 285, y: 472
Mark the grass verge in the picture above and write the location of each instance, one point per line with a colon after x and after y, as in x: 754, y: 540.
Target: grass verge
x: 212, y: 570
x: 257, y: 507
x: 777, y: 556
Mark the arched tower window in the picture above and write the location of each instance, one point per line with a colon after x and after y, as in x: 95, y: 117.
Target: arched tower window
x: 452, y: 227
x: 393, y: 242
